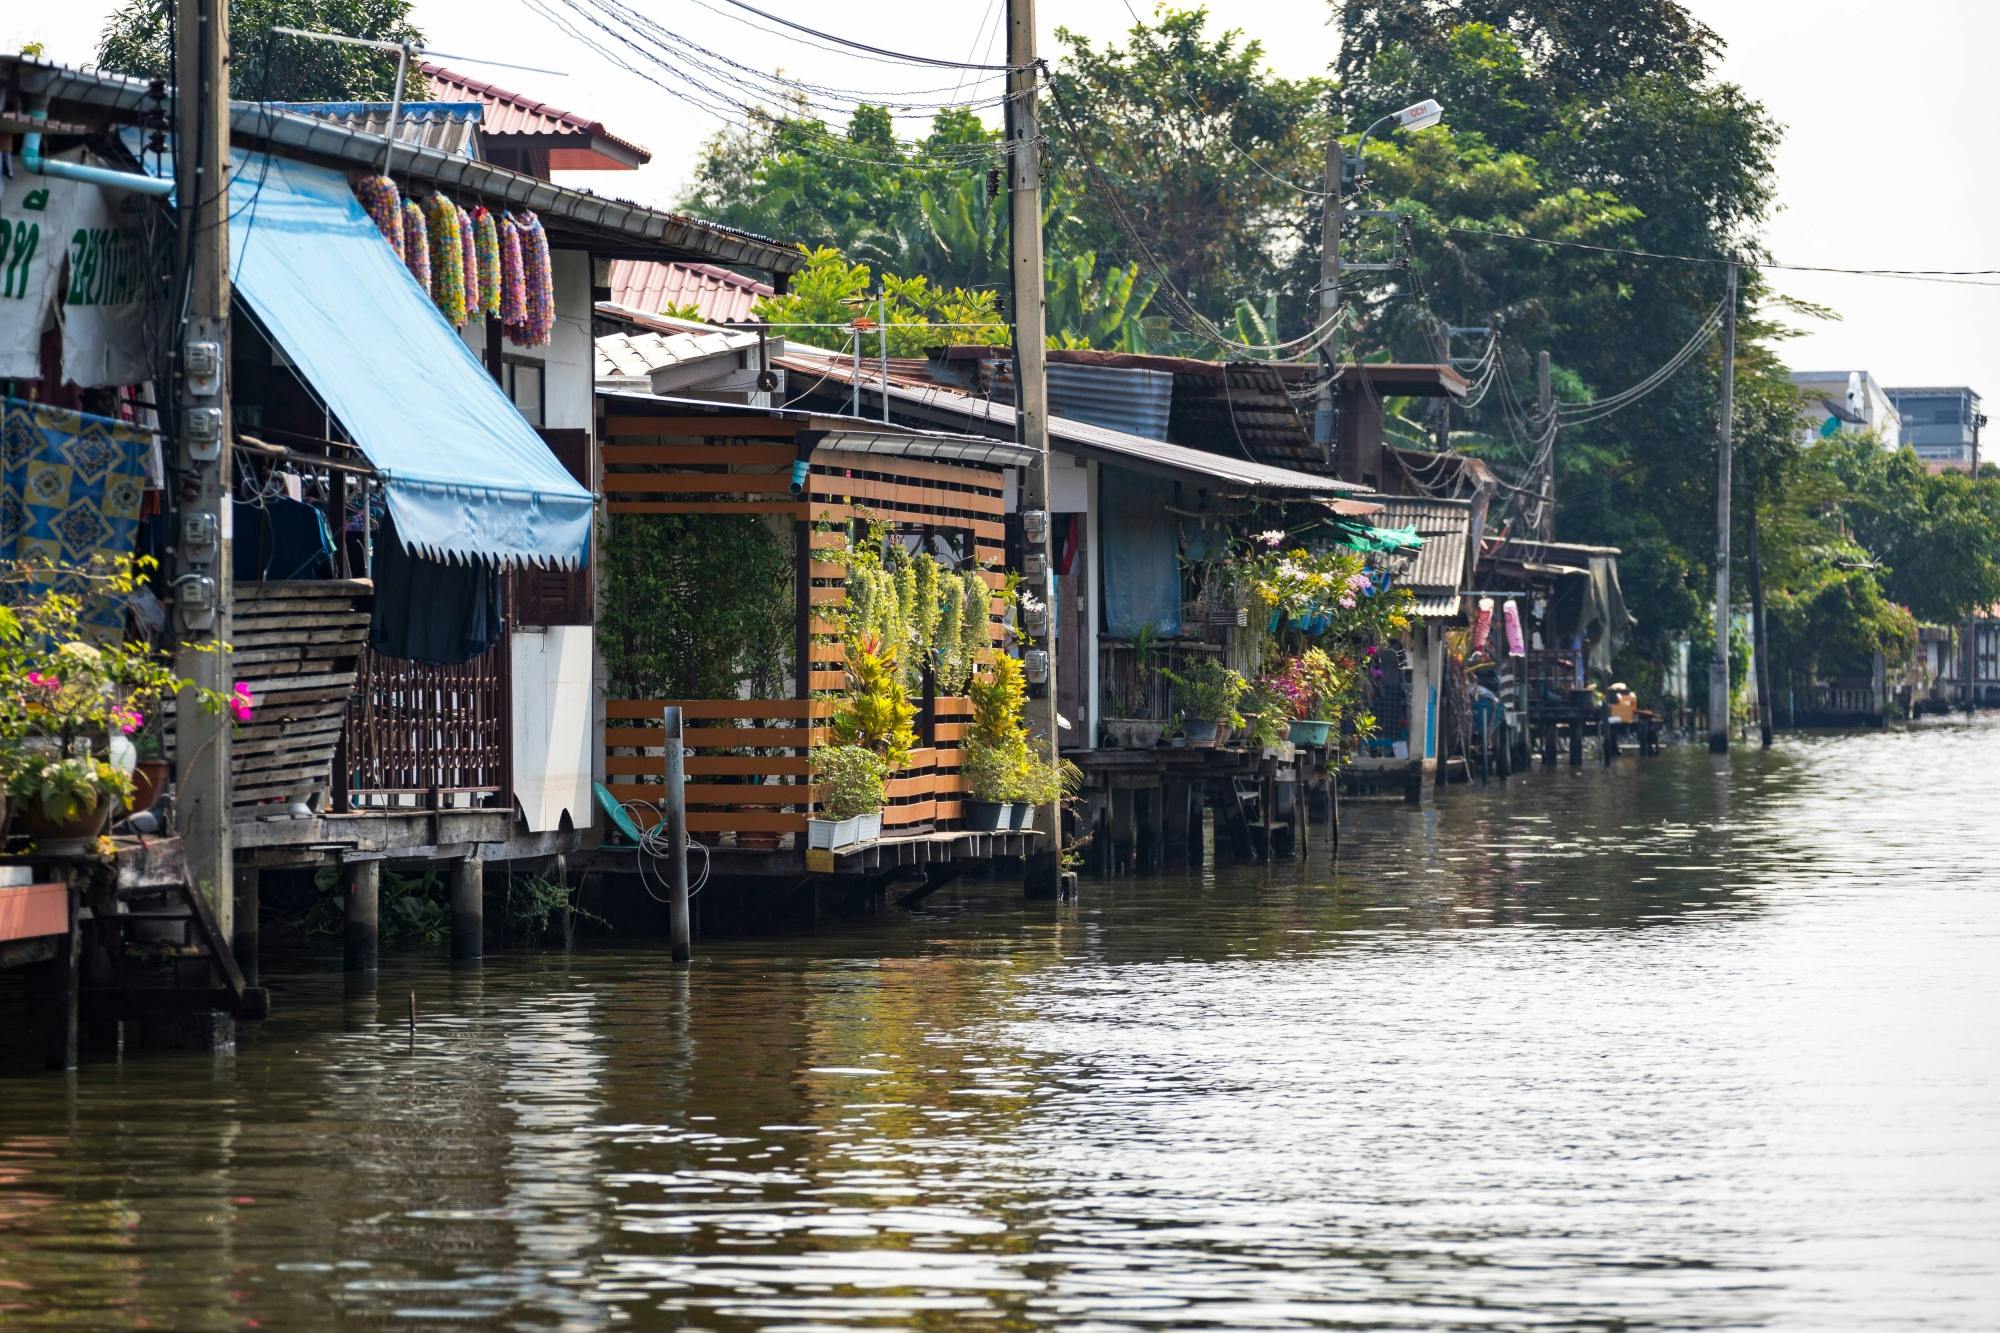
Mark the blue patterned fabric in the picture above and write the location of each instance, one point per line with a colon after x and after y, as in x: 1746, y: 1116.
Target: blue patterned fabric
x: 70, y: 488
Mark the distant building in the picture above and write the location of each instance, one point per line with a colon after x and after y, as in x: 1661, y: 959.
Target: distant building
x: 1837, y: 400
x: 1938, y: 422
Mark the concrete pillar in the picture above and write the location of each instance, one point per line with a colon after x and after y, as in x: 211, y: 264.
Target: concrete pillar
x: 243, y: 940
x: 468, y: 910
x: 1426, y: 671
x: 361, y: 938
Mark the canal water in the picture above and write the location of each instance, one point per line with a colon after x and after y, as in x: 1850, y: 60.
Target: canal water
x: 1681, y: 1044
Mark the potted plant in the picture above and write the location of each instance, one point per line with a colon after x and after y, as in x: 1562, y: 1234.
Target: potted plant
x: 1311, y: 687
x: 69, y: 688
x: 996, y: 744
x: 1209, y: 693
x: 851, y: 786
x: 1039, y: 783
x: 875, y: 714
x: 1133, y: 728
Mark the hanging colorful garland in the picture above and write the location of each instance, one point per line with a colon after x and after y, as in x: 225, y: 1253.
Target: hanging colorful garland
x: 469, y: 264
x: 384, y: 205
x: 513, y: 292
x: 486, y: 245
x: 538, y: 317
x: 416, y: 245
x: 447, y: 259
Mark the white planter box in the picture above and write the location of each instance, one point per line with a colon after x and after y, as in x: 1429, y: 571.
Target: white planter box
x: 828, y: 834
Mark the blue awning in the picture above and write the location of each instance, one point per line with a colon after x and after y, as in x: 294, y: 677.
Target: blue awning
x: 467, y: 478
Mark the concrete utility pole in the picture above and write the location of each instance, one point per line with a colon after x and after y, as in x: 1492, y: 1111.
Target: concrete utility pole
x: 1971, y: 648
x: 202, y: 590
x: 1545, y: 406
x: 1329, y: 300
x: 1024, y: 164
x: 1758, y: 639
x: 1718, y: 670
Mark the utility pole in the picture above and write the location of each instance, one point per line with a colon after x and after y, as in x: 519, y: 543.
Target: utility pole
x: 1024, y: 165
x: 1971, y: 649
x: 1718, y: 670
x: 1329, y: 300
x: 1545, y: 406
x: 1759, y: 639
x: 201, y: 574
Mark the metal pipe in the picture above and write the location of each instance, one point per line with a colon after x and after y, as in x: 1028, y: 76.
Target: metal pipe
x: 675, y: 823
x: 32, y: 159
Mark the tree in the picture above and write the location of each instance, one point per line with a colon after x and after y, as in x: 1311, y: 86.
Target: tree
x: 831, y: 291
x: 1198, y: 141
x: 270, y: 66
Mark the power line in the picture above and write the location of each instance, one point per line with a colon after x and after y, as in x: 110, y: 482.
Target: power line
x: 864, y: 47
x: 1953, y: 276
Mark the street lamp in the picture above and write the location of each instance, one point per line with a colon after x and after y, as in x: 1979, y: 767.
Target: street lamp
x: 1422, y: 116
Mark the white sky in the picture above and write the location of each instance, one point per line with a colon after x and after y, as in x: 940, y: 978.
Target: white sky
x: 1887, y: 107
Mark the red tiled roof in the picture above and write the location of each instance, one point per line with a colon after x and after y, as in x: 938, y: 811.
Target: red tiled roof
x: 719, y: 294
x: 515, y: 113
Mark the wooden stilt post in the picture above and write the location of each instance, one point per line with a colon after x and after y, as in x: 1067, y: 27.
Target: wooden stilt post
x: 468, y: 910
x: 675, y: 799
x: 243, y: 936
x: 361, y: 937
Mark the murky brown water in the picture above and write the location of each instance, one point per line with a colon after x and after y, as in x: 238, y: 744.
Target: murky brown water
x: 1669, y: 1047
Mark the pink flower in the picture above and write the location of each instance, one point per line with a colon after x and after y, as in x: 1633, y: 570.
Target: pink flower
x: 241, y: 701
x: 49, y: 683
x: 127, y: 720
x: 1347, y: 601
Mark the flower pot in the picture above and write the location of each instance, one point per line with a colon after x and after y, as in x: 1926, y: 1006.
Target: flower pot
x: 1134, y: 733
x: 1202, y: 733
x: 73, y: 834
x: 871, y: 826
x: 1024, y: 816
x: 827, y: 834
x: 149, y: 779
x: 1307, y: 731
x: 988, y: 816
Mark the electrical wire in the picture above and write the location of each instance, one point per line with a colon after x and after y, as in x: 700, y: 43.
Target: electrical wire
x: 903, y: 56
x: 1952, y: 276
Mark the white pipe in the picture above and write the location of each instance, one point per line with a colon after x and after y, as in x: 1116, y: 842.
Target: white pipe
x: 32, y: 159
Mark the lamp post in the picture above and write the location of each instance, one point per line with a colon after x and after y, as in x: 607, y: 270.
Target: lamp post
x: 1341, y: 173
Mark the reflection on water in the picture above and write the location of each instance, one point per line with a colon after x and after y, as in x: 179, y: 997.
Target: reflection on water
x: 1684, y: 1044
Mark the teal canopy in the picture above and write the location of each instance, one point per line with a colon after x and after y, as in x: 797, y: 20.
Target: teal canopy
x: 1363, y: 537
x: 466, y: 478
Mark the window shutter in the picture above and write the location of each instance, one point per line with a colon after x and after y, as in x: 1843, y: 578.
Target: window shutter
x: 559, y: 596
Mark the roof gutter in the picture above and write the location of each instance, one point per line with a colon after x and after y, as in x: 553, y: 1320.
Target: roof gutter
x: 266, y: 124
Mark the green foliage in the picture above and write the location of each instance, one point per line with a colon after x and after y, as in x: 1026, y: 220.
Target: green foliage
x: 831, y: 290
x: 876, y: 711
x: 268, y: 65
x: 695, y: 606
x: 915, y: 603
x: 998, y: 764
x: 1208, y: 691
x: 412, y: 910
x: 1267, y: 715
x: 1180, y: 119
x: 1103, y: 310
x: 1939, y: 536
x: 850, y: 778
x: 530, y: 903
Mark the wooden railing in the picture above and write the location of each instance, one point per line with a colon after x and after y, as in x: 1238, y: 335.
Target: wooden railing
x: 430, y: 736
x: 749, y: 764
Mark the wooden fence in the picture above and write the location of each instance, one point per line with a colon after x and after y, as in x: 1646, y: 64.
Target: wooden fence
x: 749, y: 768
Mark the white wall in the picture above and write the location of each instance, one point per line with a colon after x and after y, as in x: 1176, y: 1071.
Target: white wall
x: 554, y: 727
x: 568, y: 366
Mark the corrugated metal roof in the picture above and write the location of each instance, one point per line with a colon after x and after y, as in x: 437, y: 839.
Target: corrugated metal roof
x: 852, y: 434
x: 449, y: 127
x: 1138, y: 402
x: 1126, y: 450
x: 1438, y: 570
x: 611, y: 226
x: 719, y: 294
x: 511, y: 113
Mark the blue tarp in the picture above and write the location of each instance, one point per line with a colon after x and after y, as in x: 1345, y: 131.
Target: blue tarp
x: 468, y: 479
x: 1142, y: 554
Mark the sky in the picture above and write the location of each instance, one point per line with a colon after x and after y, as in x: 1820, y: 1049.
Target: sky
x: 1885, y: 163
